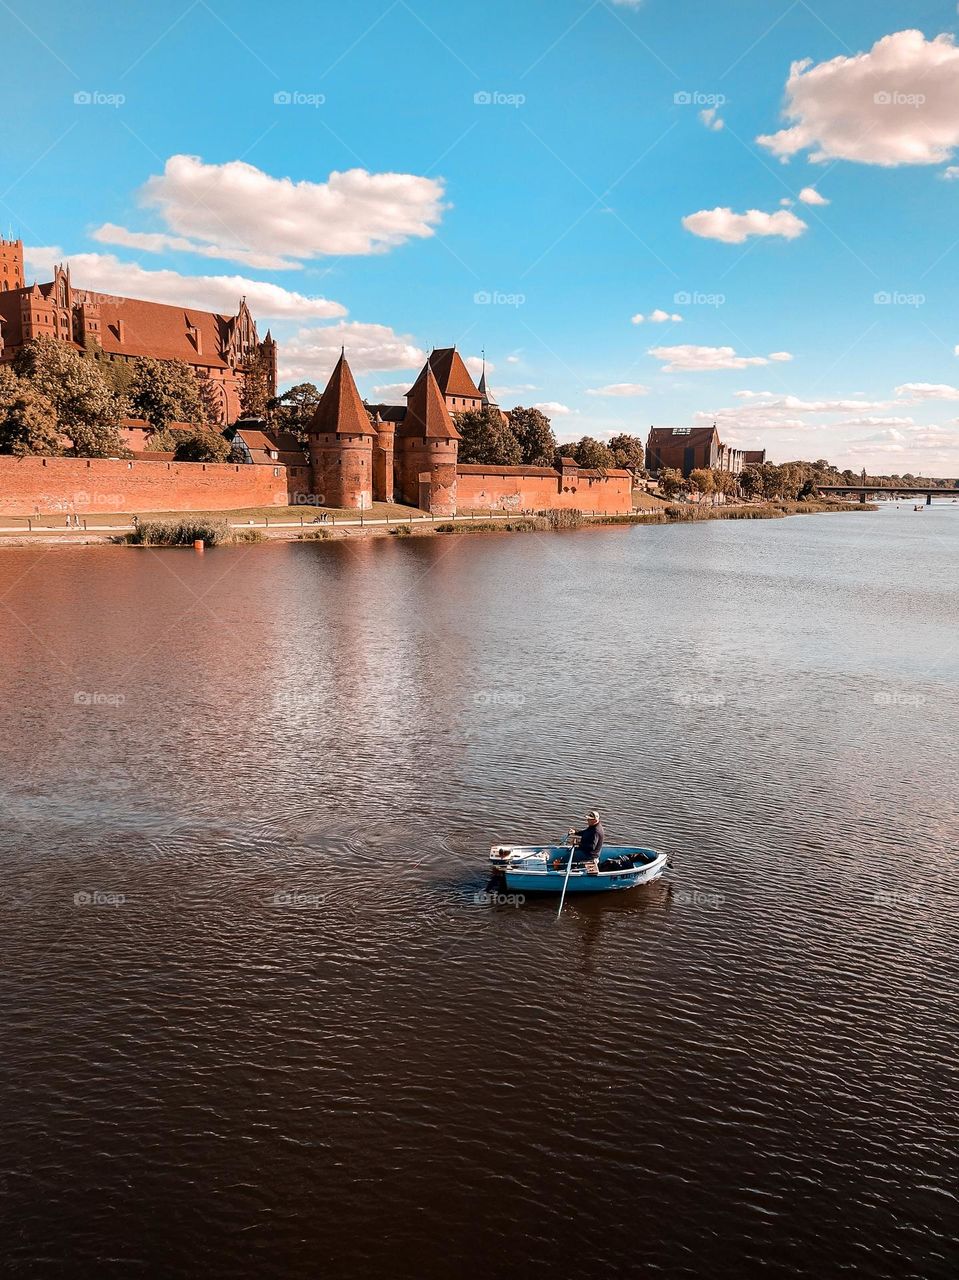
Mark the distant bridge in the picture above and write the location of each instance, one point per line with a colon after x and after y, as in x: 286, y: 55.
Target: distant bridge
x: 865, y: 491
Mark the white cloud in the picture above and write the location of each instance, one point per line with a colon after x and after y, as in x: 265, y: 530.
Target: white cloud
x: 733, y: 228
x: 786, y: 202
x: 809, y: 195
x: 703, y: 359
x: 512, y: 360
x: 475, y: 366
x: 233, y: 209
x: 619, y: 389
x: 159, y: 242
x: 916, y: 391
x: 520, y: 390
x: 392, y: 391
x: 870, y: 421
x: 711, y: 119
x: 104, y: 273
x: 553, y: 409
x: 765, y: 410
x: 657, y: 317
x: 312, y: 353
x: 913, y: 439
x: 893, y: 105
x: 780, y: 357
x: 950, y: 174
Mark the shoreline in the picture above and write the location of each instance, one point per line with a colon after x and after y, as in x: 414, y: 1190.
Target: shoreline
x: 425, y: 526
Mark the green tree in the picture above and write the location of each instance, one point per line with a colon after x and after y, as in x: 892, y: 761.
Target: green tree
x: 487, y: 438
x: 294, y: 409
x: 202, y: 445
x: 211, y: 401
x: 702, y: 481
x: 725, y: 483
x: 628, y: 452
x: 672, y: 482
x: 592, y: 453
x: 28, y: 422
x: 750, y: 482
x: 256, y: 388
x: 88, y: 411
x: 534, y: 433
x: 165, y: 391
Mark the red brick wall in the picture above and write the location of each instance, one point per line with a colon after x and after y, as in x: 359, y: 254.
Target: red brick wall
x: 103, y: 485
x: 540, y: 493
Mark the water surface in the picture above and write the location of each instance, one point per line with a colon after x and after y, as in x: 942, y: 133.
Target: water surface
x: 258, y: 1019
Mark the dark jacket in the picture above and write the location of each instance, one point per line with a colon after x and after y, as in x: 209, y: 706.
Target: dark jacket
x: 591, y: 840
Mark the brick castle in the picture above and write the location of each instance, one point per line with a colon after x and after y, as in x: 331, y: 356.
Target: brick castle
x: 221, y: 348
x: 355, y: 454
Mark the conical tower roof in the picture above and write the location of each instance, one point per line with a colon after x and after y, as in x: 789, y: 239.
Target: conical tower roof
x: 340, y: 411
x: 485, y: 393
x: 426, y: 415
x: 451, y: 374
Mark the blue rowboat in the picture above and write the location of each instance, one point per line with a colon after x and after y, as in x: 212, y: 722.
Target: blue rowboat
x: 541, y: 868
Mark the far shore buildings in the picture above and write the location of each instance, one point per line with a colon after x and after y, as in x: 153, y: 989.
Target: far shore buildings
x: 224, y: 349
x: 687, y: 449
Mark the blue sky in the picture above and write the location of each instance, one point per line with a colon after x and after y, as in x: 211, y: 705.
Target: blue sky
x: 544, y: 159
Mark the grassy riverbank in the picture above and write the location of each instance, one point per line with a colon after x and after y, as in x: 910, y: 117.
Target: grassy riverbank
x: 283, y: 524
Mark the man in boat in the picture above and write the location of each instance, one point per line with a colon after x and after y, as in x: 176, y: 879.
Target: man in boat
x: 589, y: 842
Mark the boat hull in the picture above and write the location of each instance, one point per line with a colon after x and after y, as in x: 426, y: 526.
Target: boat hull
x: 530, y: 869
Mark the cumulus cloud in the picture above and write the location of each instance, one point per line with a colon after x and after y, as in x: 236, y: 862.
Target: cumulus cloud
x: 104, y: 273
x: 689, y: 358
x: 913, y: 439
x: 657, y: 317
x: 619, y: 389
x: 711, y: 119
x: 951, y: 173
x: 160, y: 242
x: 312, y: 352
x: 809, y: 195
x: 553, y: 409
x: 916, y: 391
x: 893, y: 105
x: 733, y: 228
x: 759, y: 411
x: 392, y: 391
x: 232, y: 210
x: 475, y: 366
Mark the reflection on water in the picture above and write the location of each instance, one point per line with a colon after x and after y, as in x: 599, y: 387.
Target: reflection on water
x: 259, y: 1018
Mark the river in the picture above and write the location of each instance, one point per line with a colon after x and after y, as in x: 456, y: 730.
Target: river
x: 259, y: 1019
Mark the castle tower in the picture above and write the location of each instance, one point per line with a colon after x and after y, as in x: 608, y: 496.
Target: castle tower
x: 453, y: 379
x: 383, y: 459
x: 427, y: 446
x: 36, y: 314
x: 11, y: 265
x: 341, y: 444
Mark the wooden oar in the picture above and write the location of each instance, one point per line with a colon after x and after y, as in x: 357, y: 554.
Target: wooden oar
x: 569, y: 867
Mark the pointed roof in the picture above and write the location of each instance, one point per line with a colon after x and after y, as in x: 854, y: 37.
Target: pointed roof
x: 488, y: 401
x: 341, y: 411
x: 427, y: 416
x: 452, y: 375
